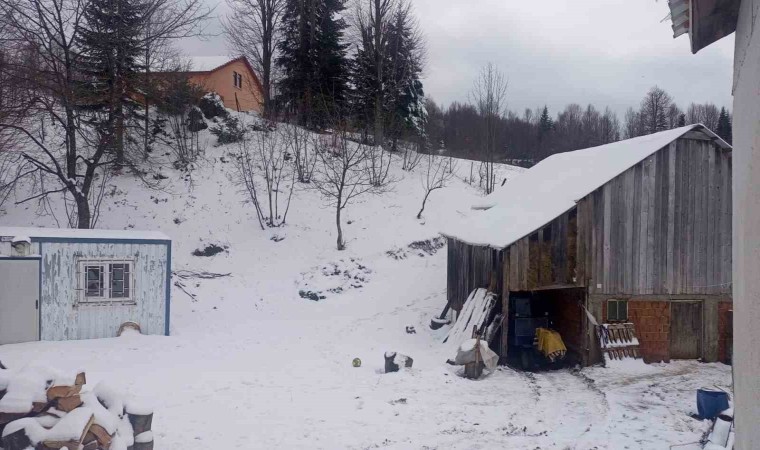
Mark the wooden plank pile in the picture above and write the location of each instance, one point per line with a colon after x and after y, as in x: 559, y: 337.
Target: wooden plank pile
x: 618, y: 340
x: 44, y: 409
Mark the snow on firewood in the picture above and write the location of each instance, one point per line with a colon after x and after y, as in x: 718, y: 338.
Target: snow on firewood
x: 46, y: 408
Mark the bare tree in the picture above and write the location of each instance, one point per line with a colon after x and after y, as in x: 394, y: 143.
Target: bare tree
x: 411, y: 156
x: 253, y: 29
x: 185, y: 119
x: 489, y: 95
x: 632, y: 126
x: 267, y: 176
x: 706, y: 114
x: 609, y: 127
x: 302, y: 144
x: 438, y: 173
x: 655, y: 108
x: 165, y: 22
x: 378, y: 163
x: 48, y: 31
x: 342, y: 174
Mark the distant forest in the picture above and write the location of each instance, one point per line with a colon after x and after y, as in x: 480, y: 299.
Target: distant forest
x: 535, y: 134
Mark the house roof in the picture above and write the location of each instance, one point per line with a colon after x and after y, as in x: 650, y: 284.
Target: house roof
x: 539, y: 195
x: 706, y: 21
x: 36, y: 234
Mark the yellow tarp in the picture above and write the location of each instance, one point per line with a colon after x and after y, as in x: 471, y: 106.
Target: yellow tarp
x: 550, y: 343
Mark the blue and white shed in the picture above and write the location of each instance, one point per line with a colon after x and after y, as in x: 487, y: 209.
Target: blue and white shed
x: 61, y: 284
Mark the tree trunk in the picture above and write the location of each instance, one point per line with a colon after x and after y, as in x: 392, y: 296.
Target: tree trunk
x: 119, y: 131
x: 341, y: 245
x: 83, y: 212
x: 424, y: 200
x: 379, y: 138
x: 71, y: 138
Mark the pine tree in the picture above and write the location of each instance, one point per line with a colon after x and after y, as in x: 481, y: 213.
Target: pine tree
x: 111, y: 46
x: 406, y: 96
x: 724, y: 126
x: 545, y: 123
x: 388, y: 92
x: 313, y: 60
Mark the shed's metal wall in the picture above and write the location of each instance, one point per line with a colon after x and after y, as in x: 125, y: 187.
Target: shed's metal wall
x: 661, y: 227
x: 63, y: 318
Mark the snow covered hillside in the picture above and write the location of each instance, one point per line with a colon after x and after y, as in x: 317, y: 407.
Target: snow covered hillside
x: 252, y: 363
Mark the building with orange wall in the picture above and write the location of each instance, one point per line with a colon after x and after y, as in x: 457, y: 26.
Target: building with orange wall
x: 233, y: 79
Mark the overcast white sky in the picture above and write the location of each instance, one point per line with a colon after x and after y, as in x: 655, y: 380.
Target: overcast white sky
x: 554, y: 52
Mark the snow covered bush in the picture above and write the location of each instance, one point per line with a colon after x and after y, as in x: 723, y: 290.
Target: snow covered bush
x: 212, y: 106
x: 229, y: 131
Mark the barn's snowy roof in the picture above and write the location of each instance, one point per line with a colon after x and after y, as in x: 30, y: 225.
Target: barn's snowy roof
x: 71, y: 233
x: 550, y: 188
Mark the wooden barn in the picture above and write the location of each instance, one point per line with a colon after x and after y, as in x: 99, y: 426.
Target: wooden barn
x: 635, y: 231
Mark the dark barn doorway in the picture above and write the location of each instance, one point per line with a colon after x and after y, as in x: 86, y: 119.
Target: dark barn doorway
x: 557, y: 309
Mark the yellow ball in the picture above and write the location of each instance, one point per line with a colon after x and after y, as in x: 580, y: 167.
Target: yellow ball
x: 357, y: 362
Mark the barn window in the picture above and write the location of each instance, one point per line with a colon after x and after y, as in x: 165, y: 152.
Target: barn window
x: 237, y: 80
x: 105, y: 281
x: 617, y: 310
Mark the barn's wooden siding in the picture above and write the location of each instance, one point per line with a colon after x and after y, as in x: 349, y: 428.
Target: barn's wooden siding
x: 662, y: 227
x: 62, y: 318
x: 471, y: 267
x: 546, y: 258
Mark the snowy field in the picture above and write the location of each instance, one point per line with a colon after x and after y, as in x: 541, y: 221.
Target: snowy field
x: 251, y: 364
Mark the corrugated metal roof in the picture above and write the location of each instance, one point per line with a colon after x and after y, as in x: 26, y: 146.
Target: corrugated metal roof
x: 680, y: 15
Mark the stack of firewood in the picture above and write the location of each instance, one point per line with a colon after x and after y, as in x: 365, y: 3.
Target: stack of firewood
x: 44, y: 409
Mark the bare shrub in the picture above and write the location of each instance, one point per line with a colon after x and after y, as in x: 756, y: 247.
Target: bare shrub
x: 266, y: 175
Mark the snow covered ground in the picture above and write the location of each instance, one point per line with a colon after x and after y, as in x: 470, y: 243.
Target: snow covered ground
x: 251, y: 364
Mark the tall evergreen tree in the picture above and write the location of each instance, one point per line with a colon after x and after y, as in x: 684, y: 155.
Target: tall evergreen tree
x: 724, y: 126
x: 313, y: 60
x: 406, y: 97
x: 388, y: 93
x: 111, y: 46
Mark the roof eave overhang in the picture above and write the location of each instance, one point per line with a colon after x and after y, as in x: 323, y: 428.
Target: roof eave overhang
x: 705, y: 21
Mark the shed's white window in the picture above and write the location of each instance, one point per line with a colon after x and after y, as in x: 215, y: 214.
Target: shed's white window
x: 105, y: 281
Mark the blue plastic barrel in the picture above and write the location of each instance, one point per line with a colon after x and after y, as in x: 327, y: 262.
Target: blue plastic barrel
x: 711, y: 403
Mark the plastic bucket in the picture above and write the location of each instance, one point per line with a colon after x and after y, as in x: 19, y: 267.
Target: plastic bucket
x: 710, y: 403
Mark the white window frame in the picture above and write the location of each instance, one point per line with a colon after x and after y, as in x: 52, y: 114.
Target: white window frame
x: 617, y: 302
x: 106, y: 297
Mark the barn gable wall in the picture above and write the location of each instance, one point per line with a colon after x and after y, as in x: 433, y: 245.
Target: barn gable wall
x: 662, y: 227
x: 471, y: 267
